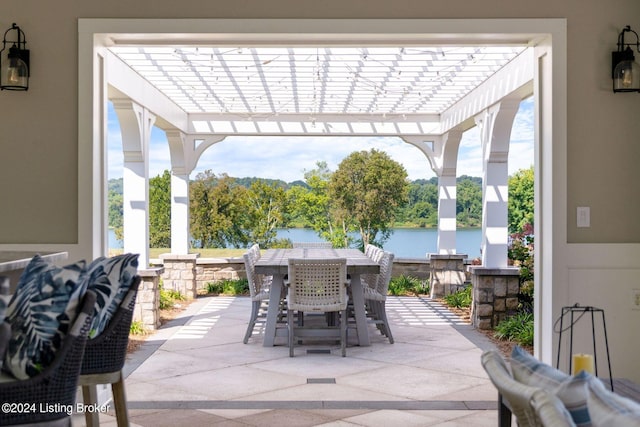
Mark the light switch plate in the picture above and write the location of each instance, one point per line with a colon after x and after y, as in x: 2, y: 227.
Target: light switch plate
x: 584, y: 216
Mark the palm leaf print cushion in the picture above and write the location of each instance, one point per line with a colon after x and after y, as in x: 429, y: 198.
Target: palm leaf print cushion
x: 110, y: 279
x: 40, y: 312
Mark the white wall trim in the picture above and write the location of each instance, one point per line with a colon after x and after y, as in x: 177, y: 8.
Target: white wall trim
x: 551, y: 137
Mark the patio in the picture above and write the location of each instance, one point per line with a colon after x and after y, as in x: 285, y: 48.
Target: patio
x: 196, y: 368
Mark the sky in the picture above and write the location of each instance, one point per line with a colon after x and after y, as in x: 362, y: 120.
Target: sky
x: 287, y: 158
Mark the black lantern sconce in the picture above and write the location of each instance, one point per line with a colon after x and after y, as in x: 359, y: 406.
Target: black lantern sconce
x: 625, y: 71
x: 14, y: 62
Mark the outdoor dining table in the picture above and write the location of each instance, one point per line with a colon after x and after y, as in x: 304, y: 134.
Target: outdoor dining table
x: 275, y: 262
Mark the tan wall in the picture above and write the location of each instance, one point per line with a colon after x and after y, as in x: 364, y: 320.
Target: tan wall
x: 39, y: 128
x: 39, y: 131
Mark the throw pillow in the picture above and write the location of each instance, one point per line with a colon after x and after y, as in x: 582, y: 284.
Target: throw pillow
x: 610, y: 409
x: 572, y: 391
x: 40, y: 312
x: 110, y: 279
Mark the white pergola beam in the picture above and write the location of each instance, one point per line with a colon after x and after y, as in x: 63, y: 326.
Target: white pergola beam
x: 515, y: 77
x: 124, y: 81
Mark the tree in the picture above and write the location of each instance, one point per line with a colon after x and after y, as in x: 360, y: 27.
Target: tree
x: 116, y: 215
x: 469, y: 202
x: 521, y: 200
x: 218, y: 211
x: 266, y: 206
x: 160, y: 211
x: 115, y: 203
x: 312, y: 205
x: 366, y: 191
x: 422, y: 206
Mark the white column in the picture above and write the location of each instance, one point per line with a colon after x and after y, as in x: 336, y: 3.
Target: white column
x: 135, y: 124
x: 181, y: 150
x: 495, y: 130
x: 495, y: 231
x: 442, y: 153
x: 447, y: 214
x: 179, y: 213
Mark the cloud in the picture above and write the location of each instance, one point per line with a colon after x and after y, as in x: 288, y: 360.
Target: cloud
x: 287, y: 158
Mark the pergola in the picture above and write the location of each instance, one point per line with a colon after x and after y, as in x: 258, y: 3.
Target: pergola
x: 200, y: 92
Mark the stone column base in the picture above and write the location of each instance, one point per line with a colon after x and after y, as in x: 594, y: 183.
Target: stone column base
x: 147, y: 308
x: 180, y: 274
x: 494, y: 295
x: 447, y: 274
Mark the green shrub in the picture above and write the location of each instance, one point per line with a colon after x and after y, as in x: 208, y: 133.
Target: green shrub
x: 168, y: 298
x: 235, y: 286
x: 459, y: 299
x: 229, y: 287
x: 137, y: 328
x: 214, y: 287
x: 518, y: 328
x: 407, y: 285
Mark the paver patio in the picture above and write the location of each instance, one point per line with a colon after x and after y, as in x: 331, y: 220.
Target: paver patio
x: 195, y: 371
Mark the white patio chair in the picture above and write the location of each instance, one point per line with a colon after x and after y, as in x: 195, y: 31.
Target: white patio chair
x: 375, y: 293
x: 312, y: 245
x: 317, y: 285
x: 258, y: 289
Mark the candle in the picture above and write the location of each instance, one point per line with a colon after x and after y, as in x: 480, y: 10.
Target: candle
x: 583, y: 362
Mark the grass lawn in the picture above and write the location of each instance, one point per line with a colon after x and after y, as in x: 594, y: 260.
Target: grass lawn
x: 204, y: 253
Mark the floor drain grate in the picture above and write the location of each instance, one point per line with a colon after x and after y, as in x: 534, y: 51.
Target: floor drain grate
x: 319, y: 351
x: 321, y: 380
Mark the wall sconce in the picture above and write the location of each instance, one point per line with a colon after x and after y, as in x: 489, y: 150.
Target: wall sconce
x: 625, y: 71
x: 14, y: 62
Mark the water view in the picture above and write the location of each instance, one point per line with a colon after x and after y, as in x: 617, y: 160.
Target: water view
x: 404, y: 242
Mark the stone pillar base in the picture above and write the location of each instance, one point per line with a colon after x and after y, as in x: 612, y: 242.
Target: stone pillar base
x: 147, y: 308
x: 180, y: 274
x: 447, y: 274
x: 494, y: 295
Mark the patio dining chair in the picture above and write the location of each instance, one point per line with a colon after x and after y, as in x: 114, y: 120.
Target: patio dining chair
x: 373, y: 252
x: 104, y: 359
x: 317, y: 286
x: 376, y: 288
x: 258, y: 290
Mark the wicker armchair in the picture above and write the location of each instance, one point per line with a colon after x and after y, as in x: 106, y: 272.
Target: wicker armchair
x: 317, y: 285
x: 51, y: 395
x: 532, y: 406
x: 104, y: 358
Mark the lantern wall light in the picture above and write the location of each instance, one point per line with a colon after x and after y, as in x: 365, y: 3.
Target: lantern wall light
x: 14, y: 61
x: 624, y: 70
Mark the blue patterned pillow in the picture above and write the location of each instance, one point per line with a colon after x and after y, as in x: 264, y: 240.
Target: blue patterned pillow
x: 40, y: 312
x: 110, y: 279
x: 572, y: 391
x: 610, y: 409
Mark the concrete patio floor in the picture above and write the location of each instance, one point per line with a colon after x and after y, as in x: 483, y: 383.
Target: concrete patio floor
x: 196, y: 371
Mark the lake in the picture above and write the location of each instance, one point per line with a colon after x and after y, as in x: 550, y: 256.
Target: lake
x: 403, y: 242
